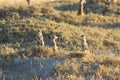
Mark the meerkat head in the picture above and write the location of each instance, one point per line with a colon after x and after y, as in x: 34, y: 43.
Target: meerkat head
x: 54, y: 36
x: 39, y: 30
x: 82, y: 36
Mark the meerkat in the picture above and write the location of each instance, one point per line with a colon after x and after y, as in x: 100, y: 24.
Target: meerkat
x: 81, y: 7
x: 39, y: 38
x: 28, y: 2
x: 53, y: 43
x: 84, y: 44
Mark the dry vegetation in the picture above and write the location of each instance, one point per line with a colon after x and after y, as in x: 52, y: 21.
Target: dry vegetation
x: 19, y: 24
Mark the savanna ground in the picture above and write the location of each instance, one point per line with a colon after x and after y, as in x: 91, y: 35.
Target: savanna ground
x: 20, y: 23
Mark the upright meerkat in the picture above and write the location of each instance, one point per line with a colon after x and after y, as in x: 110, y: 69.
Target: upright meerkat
x: 81, y: 7
x: 28, y: 2
x: 39, y: 38
x: 84, y: 44
x: 53, y: 42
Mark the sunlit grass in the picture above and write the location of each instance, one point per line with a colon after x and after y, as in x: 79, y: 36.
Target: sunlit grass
x: 19, y: 25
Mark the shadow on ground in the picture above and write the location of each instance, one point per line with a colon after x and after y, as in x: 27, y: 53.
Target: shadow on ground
x: 67, y: 7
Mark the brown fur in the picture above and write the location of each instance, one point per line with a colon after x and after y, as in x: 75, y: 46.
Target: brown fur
x: 53, y: 43
x: 80, y: 9
x: 28, y: 2
x: 84, y: 44
x: 39, y: 38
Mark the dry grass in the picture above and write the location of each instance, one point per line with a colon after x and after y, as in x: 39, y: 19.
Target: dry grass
x: 7, y: 49
x: 101, y: 67
x: 20, y: 2
x: 19, y: 24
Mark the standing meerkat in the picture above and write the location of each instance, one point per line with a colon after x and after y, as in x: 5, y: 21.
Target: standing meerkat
x: 53, y: 42
x: 81, y: 7
x: 28, y: 2
x: 39, y: 38
x: 84, y: 44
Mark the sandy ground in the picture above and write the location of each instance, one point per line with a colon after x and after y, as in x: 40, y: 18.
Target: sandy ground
x: 25, y: 68
x: 43, y: 67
